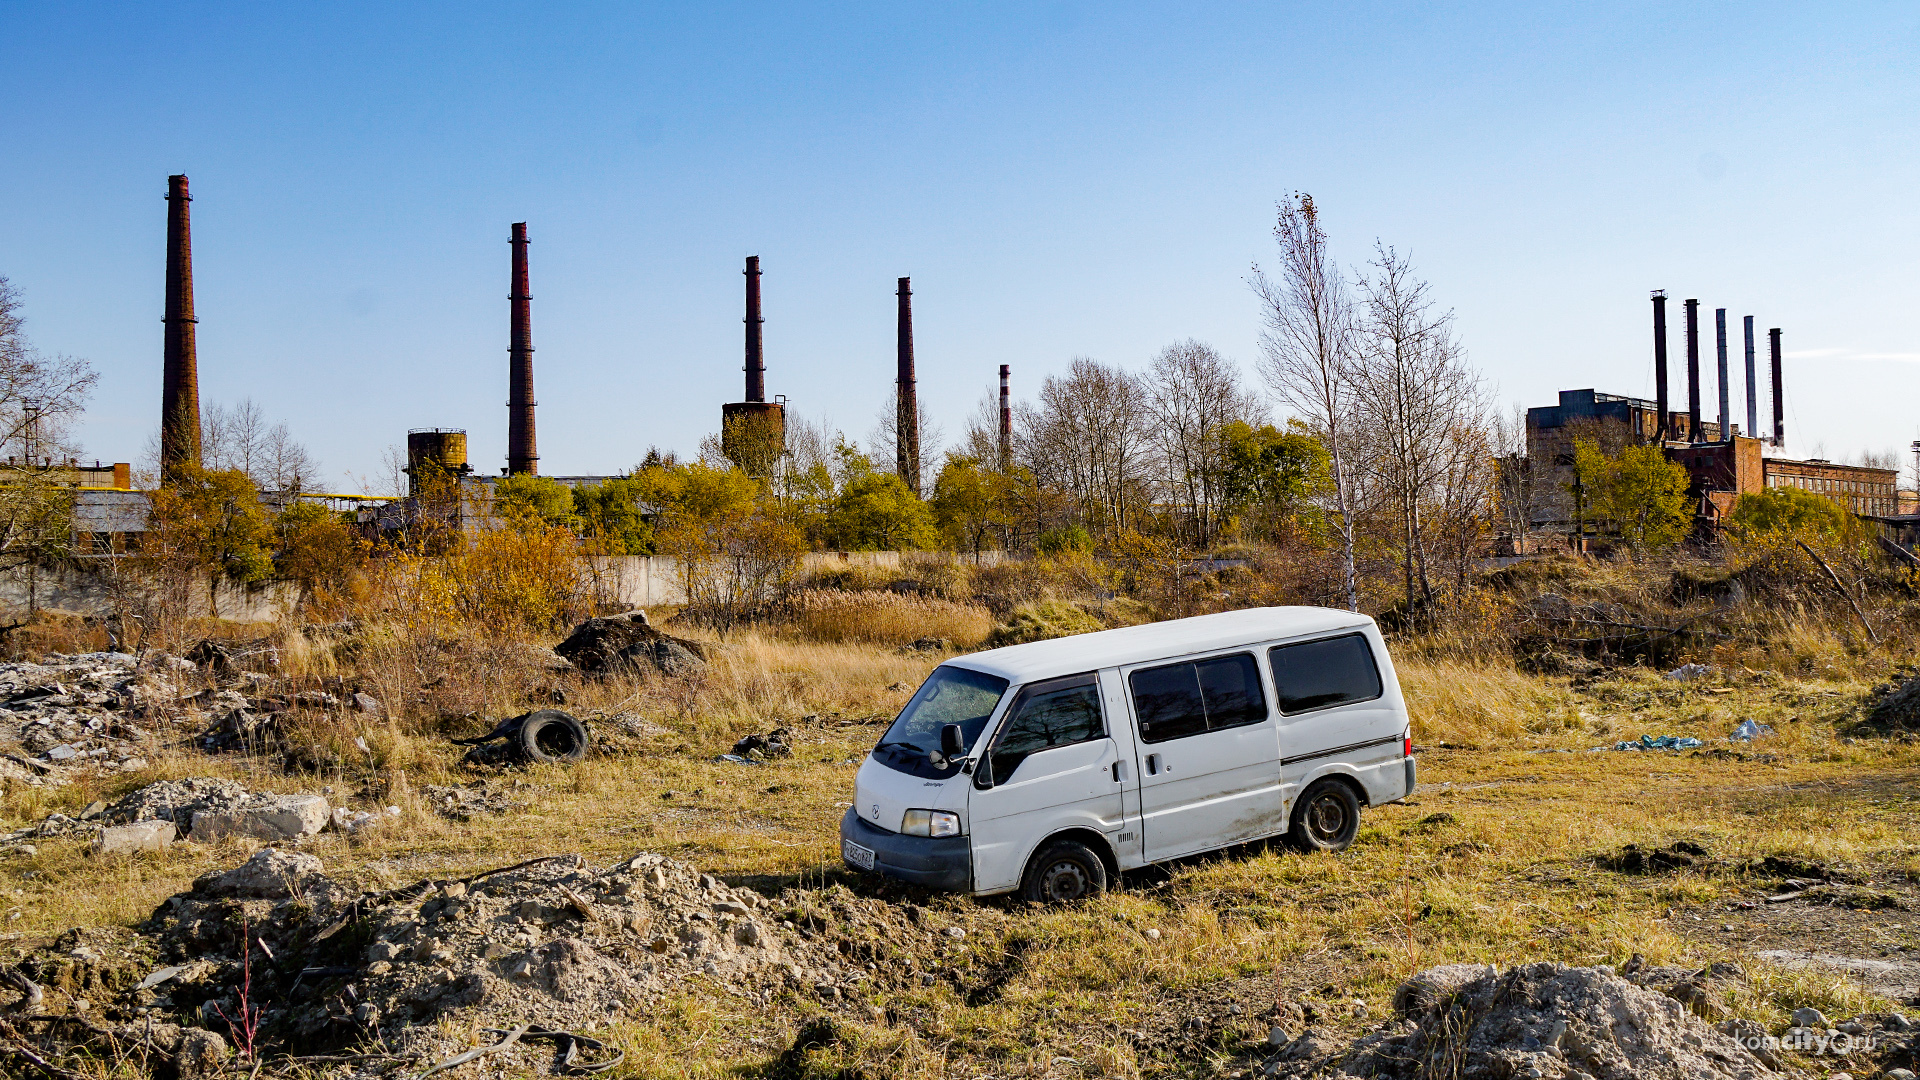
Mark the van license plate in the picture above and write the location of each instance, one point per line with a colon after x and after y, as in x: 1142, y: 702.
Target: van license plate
x: 861, y: 857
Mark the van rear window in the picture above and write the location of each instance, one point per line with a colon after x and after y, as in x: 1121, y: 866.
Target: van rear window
x: 1179, y: 700
x: 1319, y: 674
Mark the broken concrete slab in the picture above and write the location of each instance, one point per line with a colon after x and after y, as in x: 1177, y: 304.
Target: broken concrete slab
x: 154, y: 835
x: 280, y: 819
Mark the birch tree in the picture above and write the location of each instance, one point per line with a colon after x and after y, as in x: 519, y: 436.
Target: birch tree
x: 1306, y: 349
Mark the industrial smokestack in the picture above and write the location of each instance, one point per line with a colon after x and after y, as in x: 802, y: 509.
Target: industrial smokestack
x: 180, y: 377
x: 1660, y: 363
x: 1779, y: 403
x: 1720, y: 345
x: 1693, y: 370
x: 1006, y: 420
x: 756, y: 360
x: 1753, y: 387
x: 522, y: 452
x: 906, y: 428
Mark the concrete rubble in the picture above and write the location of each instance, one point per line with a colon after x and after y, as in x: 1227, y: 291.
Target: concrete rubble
x: 201, y: 808
x: 628, y: 643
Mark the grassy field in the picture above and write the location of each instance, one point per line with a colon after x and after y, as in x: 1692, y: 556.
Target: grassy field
x: 1502, y: 856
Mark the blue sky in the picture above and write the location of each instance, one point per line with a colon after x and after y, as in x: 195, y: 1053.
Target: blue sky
x: 1059, y: 179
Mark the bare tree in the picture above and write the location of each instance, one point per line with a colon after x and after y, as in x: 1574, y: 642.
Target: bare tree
x: 1306, y: 348
x: 1418, y: 399
x: 239, y: 437
x: 40, y: 395
x: 1192, y: 393
x: 1088, y: 437
x: 883, y: 440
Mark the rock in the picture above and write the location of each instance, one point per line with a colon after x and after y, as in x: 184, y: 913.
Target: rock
x: 270, y: 874
x: 1809, y: 1017
x: 281, y: 819
x: 956, y: 933
x: 1277, y: 1037
x: 60, y: 754
x: 1152, y: 933
x: 1898, y: 1022
x: 366, y: 703
x: 94, y: 809
x: 178, y: 800
x: 1900, y: 1074
x: 153, y: 835
x: 199, y: 1053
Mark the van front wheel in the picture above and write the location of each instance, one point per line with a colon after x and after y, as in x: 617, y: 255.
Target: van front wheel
x: 1326, y: 818
x: 1064, y: 871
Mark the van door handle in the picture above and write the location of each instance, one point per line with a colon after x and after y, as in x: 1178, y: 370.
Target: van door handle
x: 1119, y: 772
x: 1153, y: 764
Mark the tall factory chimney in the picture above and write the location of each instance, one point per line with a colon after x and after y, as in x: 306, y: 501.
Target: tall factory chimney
x: 523, y: 455
x: 756, y: 359
x: 1779, y: 402
x: 1660, y: 363
x: 1693, y: 370
x: 1720, y: 343
x: 1753, y: 386
x: 753, y: 433
x: 1006, y: 420
x: 906, y: 428
x: 180, y: 377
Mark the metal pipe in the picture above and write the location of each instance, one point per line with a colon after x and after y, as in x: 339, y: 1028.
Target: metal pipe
x: 1006, y: 420
x: 756, y: 359
x: 906, y: 428
x: 1720, y: 345
x: 1753, y: 388
x: 180, y: 374
x: 1660, y: 363
x: 1779, y: 403
x: 1693, y: 370
x: 523, y: 454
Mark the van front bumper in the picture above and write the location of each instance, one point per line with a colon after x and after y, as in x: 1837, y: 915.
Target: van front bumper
x: 944, y: 862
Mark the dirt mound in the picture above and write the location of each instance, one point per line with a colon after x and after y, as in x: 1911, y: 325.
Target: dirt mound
x: 626, y: 642
x: 1546, y: 1020
x: 1634, y: 859
x: 1896, y: 707
x: 552, y: 943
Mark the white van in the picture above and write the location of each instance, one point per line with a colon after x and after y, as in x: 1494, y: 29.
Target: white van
x: 1050, y: 767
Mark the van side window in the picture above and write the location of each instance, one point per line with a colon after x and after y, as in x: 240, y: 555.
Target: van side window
x: 1179, y: 700
x: 1058, y: 712
x: 1318, y: 674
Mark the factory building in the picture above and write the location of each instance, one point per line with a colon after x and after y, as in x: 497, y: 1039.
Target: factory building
x: 1722, y: 462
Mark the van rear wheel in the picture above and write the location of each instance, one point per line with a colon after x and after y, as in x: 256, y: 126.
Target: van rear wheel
x: 1064, y: 871
x: 1326, y: 818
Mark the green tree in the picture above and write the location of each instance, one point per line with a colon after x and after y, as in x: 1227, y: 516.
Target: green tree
x: 970, y: 502
x: 1270, y: 475
x: 1591, y: 468
x: 610, y: 516
x: 524, y: 498
x: 1789, y: 514
x: 319, y: 549
x: 877, y: 512
x: 1644, y: 494
x: 212, y: 521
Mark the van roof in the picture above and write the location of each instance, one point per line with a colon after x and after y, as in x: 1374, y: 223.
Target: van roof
x: 1153, y: 641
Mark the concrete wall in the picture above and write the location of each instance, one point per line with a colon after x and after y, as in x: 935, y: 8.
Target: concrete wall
x: 90, y: 591
x: 646, y: 580
x: 624, y: 580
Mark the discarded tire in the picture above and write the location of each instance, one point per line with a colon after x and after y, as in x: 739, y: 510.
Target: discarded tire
x: 551, y: 737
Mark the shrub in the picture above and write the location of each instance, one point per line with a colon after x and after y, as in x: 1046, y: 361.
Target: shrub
x: 1046, y: 619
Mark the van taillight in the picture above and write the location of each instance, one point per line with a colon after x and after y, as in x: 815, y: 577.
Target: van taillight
x: 1409, y: 750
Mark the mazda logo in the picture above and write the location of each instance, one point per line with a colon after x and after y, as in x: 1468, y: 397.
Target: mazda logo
x: 876, y: 811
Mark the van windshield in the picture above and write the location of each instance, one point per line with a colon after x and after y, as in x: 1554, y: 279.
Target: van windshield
x: 951, y: 695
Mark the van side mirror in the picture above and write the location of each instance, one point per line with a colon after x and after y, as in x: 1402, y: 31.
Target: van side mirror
x: 952, y: 742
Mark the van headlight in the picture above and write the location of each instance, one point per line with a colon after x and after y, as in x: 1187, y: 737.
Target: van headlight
x: 930, y: 823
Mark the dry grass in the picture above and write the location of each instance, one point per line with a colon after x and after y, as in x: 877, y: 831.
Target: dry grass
x: 883, y: 618
x: 1493, y: 860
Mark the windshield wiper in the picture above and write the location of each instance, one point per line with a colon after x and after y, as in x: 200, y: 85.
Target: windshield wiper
x: 897, y: 742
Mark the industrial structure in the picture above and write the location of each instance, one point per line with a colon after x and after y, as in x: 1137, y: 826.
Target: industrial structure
x: 523, y: 454
x: 906, y: 426
x: 180, y: 377
x: 754, y: 431
x: 1722, y: 462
